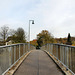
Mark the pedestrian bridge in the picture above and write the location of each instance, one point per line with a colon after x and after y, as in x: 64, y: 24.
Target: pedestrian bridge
x: 51, y: 59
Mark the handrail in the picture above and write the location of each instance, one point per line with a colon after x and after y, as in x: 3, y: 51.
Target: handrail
x: 64, y: 53
x: 60, y: 44
x: 12, y: 45
x: 9, y: 54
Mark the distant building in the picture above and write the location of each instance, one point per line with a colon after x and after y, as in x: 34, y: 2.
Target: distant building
x: 9, y: 42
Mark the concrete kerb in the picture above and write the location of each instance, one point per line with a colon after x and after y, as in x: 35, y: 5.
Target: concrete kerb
x: 60, y: 65
x: 12, y: 70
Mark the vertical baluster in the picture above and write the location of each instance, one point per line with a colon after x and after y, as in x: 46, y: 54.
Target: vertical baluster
x: 67, y: 56
x: 57, y: 51
x: 14, y: 53
x: 63, y: 54
x: 10, y: 56
x: 19, y: 50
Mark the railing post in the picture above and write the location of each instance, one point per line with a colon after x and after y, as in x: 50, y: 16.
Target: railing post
x: 57, y: 51
x: 19, y: 50
x: 70, y: 59
x: 23, y: 48
x: 67, y: 56
x: 49, y: 48
x: 60, y: 53
x: 10, y: 56
x: 63, y: 54
x: 14, y: 53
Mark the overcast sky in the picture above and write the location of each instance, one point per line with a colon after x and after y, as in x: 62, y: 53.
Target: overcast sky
x: 56, y: 16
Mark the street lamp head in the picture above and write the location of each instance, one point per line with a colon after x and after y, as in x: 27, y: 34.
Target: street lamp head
x: 33, y: 22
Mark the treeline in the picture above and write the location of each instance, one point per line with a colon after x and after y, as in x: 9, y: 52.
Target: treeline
x: 19, y: 36
x: 45, y: 37
x: 15, y: 36
x: 65, y: 41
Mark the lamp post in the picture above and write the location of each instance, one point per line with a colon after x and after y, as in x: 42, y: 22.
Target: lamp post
x: 29, y: 31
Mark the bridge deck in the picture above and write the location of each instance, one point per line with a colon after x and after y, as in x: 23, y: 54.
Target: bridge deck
x: 38, y: 63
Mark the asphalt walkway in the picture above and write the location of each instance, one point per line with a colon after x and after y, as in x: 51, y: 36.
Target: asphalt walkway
x: 38, y: 63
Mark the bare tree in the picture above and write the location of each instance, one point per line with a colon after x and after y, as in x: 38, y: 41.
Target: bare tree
x: 4, y: 32
x: 11, y: 32
x: 21, y: 35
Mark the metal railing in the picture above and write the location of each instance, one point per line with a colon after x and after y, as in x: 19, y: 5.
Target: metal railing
x: 64, y: 53
x: 12, y: 53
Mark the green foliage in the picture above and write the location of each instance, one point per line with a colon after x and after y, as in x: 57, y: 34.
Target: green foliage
x: 44, y: 37
x: 40, y: 41
x: 18, y: 37
x: 20, y: 34
x: 34, y: 42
